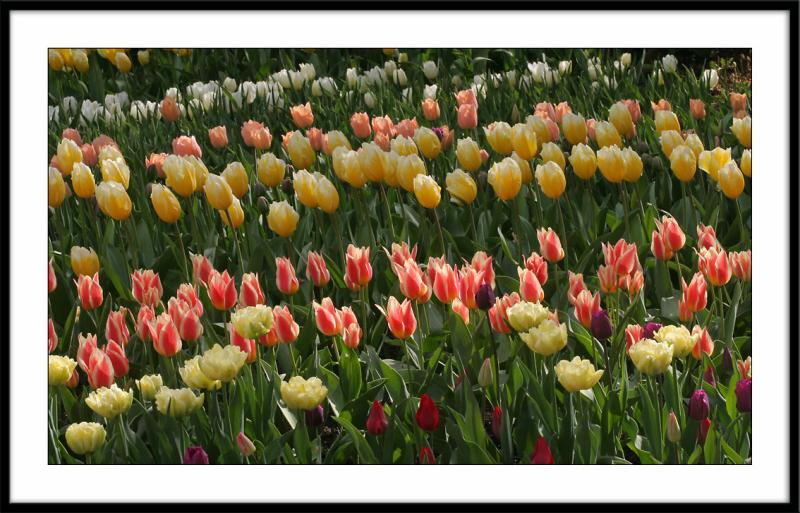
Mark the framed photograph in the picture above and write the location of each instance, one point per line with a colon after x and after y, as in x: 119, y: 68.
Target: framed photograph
x: 401, y: 259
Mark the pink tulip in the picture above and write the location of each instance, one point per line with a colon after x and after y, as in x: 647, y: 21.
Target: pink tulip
x: 165, y: 336
x: 221, y: 290
x: 286, y: 330
x: 89, y: 291
x: 186, y: 319
x: 185, y: 146
x: 99, y: 369
x: 358, y: 271
x: 550, y: 245
x: 250, y: 293
x: 146, y: 287
x: 529, y: 287
x: 119, y: 362
x: 317, y: 270
x: 116, y: 329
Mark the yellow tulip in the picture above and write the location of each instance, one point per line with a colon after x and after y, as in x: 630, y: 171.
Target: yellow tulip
x: 372, y: 160
x: 461, y: 187
x: 525, y: 315
x: 300, y: 151
x: 583, y: 160
x: 670, y: 139
x: 695, y: 144
x: 327, y: 195
x: 404, y: 146
x: 305, y: 188
x: 611, y: 163
x: 116, y: 171
x: 352, y: 170
x: 683, y: 163
x: 468, y: 154
x: 547, y: 338
x: 109, y: 152
x: 218, y: 192
x: 337, y: 158
x: 234, y: 214
x: 84, y: 261
x: 149, y: 385
x: 746, y: 163
x: 574, y: 128
x: 143, y: 56
x: 110, y: 402
x: 66, y: 56
x: 166, y: 205
x: 731, y: 180
x: 620, y: 117
x: 667, y: 120
x: 539, y: 126
x: 252, y: 321
x: 270, y: 170
x: 427, y: 142
x: 198, y: 169
x: 194, y: 377
x: 179, y: 402
x: 302, y: 394
x: 551, y: 179
x: 650, y: 357
x: 334, y: 139
x: 236, y: 176
x: 122, y: 62
x: 498, y: 135
x: 577, y: 374
x: 113, y: 200
x: 712, y: 161
x: 633, y: 165
x: 55, y: 60
x: 222, y: 364
x: 408, y: 167
x: 282, y: 218
x: 180, y: 175
x: 606, y: 135
x: 68, y: 154
x: 743, y: 130
x: 80, y: 60
x: 505, y: 178
x: 524, y: 168
x: 523, y: 140
x: 59, y: 370
x: 85, y: 437
x: 552, y: 153
x: 678, y: 337
x: 83, y: 180
x: 56, y: 188
x: 427, y: 191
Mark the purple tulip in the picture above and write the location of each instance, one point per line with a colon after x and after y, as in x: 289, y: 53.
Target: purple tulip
x: 744, y: 395
x: 698, y: 405
x: 601, y: 325
x: 650, y: 328
x: 727, y: 362
x: 195, y: 455
x: 484, y: 298
x: 315, y: 417
x: 708, y: 376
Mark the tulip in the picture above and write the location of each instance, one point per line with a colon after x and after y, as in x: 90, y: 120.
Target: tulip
x: 469, y: 281
x: 546, y: 130
x: 607, y: 276
x: 221, y: 290
x: 251, y: 322
x: 116, y: 329
x: 541, y: 453
x: 52, y: 339
x: 461, y: 187
x: 660, y: 247
x: 552, y: 153
x: 673, y: 428
x: 201, y: 267
x: 742, y: 129
x: 113, y: 200
x: 302, y: 394
x: 745, y: 164
x: 607, y: 135
x: 529, y: 287
x: 620, y: 116
x: 166, y: 205
x: 109, y: 402
x: 467, y: 116
x: 68, y: 154
x: 56, y: 188
x: 186, y: 319
x: 99, y: 369
x: 234, y: 215
x: 611, y: 162
x: 146, y: 287
x: 245, y: 345
x: 706, y: 238
x: 60, y: 370
x: 633, y: 165
x: 408, y: 167
x: 85, y: 437
x: 622, y: 256
x: 195, y: 455
x: 358, y: 272
x: 302, y: 116
x: 683, y: 163
x: 633, y: 333
x: 282, y: 218
x: 601, y: 325
x: 82, y: 181
x: 484, y: 299
x: 427, y: 191
x: 329, y: 320
x: 317, y: 270
x: 698, y: 405
x: 550, y: 245
x: 576, y: 285
x: 430, y: 109
x: 300, y: 151
x: 695, y: 294
x: 285, y: 278
x: 315, y: 416
x: 468, y: 154
x: 586, y: 306
x: 583, y: 161
x: 497, y: 421
x: 524, y: 315
x: 547, y: 338
x: 427, y: 415
x: 669, y: 140
x: 574, y: 128
x: 236, y: 176
x: 666, y: 120
x: 731, y: 180
x: 427, y: 142
x: 717, y: 266
x: 712, y: 161
x: 744, y: 395
x: 305, y: 187
x: 218, y: 137
x: 551, y: 179
x: 256, y: 135
x: 740, y: 264
x: 377, y: 421
x: 505, y: 177
x: 444, y: 280
x: 399, y: 317
x: 498, y: 314
x: 577, y: 374
x: 678, y: 337
x: 695, y: 144
x: 89, y: 291
x: 671, y: 232
x: 86, y: 346
x: 333, y: 140
x: 524, y: 167
x: 426, y: 456
x: 286, y: 329
x: 650, y: 357
x: 482, y: 262
x: 180, y: 175
x: 523, y: 141
x: 697, y: 108
x: 83, y: 261
x: 499, y: 136
x: 165, y: 336
x: 372, y: 161
x: 351, y: 331
x: 270, y: 169
x: 413, y: 284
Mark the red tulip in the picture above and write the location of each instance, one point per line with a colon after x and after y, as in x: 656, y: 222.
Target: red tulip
x: 740, y: 264
x: 702, y: 430
x: 221, y: 290
x: 586, y: 306
x: 550, y: 245
x: 165, y: 336
x: 444, y: 280
x: 250, y: 292
x: 400, y: 318
x: 351, y: 331
x: 426, y: 457
x: 284, y: 327
x: 328, y: 319
x: 538, y: 266
x: 497, y: 421
x: 116, y: 353
x: 529, y: 287
x: 51, y: 277
x: 99, y: 369
x: 317, y: 270
x: 622, y: 256
x: 427, y: 414
x: 143, y: 318
x: 270, y: 339
x: 285, y: 278
x: 498, y: 314
x: 359, y: 271
x: 633, y: 334
x: 86, y: 346
x: 187, y: 292
x: 482, y: 262
x: 89, y: 291
x: 413, y: 284
x: 186, y: 319
x: 695, y: 294
x: 377, y: 421
x: 541, y: 453
x: 247, y: 346
x: 52, y: 339
x: 116, y: 329
x: 576, y: 285
x: 202, y: 268
x: 146, y: 287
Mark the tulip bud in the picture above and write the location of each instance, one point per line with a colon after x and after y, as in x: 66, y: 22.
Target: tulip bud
x: 195, y: 455
x: 377, y: 421
x: 702, y: 430
x: 601, y: 325
x: 541, y: 453
x: 485, y: 374
x: 246, y: 446
x: 699, y: 405
x: 263, y: 205
x: 744, y: 395
x: 497, y: 421
x: 315, y: 416
x: 727, y: 362
x: 426, y: 456
x: 427, y: 415
x: 484, y: 297
x: 673, y: 428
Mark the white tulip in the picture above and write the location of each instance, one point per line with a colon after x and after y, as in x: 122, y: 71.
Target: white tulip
x: 400, y: 78
x: 297, y: 79
x: 408, y: 94
x: 565, y: 67
x: 248, y: 91
x: 669, y: 63
x: 261, y: 88
x: 282, y: 77
x: 316, y: 89
x: 69, y: 104
x: 511, y: 76
x: 370, y: 100
x: 308, y: 71
x: 352, y: 77
x: 375, y: 76
x: 328, y: 85
x: 625, y: 59
x: 52, y: 113
x: 711, y: 78
x: 429, y: 93
x: 389, y: 68
x: 457, y: 80
x: 229, y: 84
x: 208, y: 100
x: 172, y: 92
x: 430, y: 69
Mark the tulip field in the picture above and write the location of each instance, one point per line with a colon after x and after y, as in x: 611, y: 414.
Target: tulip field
x: 391, y: 256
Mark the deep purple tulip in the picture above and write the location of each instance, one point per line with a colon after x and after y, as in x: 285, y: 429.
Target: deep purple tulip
x: 744, y: 395
x: 727, y: 362
x: 601, y: 325
x: 650, y: 328
x: 708, y: 376
x: 484, y: 298
x: 315, y: 417
x: 195, y: 455
x: 698, y: 405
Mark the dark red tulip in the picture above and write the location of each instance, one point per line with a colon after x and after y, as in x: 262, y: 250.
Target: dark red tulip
x: 702, y: 432
x: 541, y: 453
x: 195, y: 455
x: 377, y: 421
x: 315, y: 416
x: 708, y: 376
x: 426, y: 457
x: 497, y: 421
x: 484, y: 298
x: 427, y: 414
x: 698, y: 405
x: 744, y: 395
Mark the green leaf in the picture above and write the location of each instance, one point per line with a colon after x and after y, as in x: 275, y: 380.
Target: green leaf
x: 362, y: 447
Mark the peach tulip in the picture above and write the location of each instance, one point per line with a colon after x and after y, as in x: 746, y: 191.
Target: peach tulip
x: 218, y: 136
x: 184, y: 145
x: 302, y: 115
x: 359, y: 122
x: 256, y: 135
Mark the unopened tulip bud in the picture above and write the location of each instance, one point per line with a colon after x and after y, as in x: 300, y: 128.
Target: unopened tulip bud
x: 744, y: 395
x: 484, y: 297
x: 315, y: 416
x: 497, y: 421
x: 485, y: 375
x: 702, y: 431
x: 263, y: 205
x: 699, y: 405
x: 246, y: 446
x: 727, y: 362
x: 195, y: 455
x: 673, y: 428
x: 708, y: 376
x: 601, y: 325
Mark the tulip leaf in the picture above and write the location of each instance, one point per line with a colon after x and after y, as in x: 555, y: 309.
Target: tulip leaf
x: 350, y: 370
x: 365, y: 453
